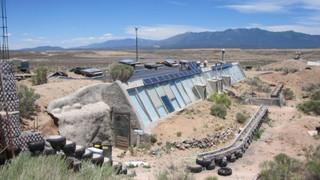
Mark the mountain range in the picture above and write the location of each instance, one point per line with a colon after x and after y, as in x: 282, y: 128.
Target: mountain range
x: 232, y: 38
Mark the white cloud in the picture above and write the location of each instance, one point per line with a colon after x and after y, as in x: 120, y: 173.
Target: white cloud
x: 163, y: 31
x: 271, y: 6
x: 177, y: 3
x: 106, y: 36
x: 79, y: 40
x: 31, y: 40
x: 253, y: 8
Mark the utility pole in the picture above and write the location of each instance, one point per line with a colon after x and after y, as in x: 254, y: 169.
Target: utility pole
x: 136, y: 29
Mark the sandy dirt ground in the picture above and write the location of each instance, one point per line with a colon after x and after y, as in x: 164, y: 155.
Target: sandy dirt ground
x: 285, y: 134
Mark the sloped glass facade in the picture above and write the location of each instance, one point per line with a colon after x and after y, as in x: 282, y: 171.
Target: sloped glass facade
x: 153, y: 101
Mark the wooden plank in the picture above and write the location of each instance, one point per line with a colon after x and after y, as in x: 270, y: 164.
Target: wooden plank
x: 3, y: 113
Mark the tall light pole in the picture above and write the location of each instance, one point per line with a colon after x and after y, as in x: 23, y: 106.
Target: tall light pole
x: 136, y: 29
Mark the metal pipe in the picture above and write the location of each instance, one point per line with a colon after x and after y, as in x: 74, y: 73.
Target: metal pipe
x: 136, y: 29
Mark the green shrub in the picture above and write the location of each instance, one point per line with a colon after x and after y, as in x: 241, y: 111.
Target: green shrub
x: 173, y: 173
x: 120, y: 72
x: 179, y: 134
x: 211, y: 178
x: 311, y: 87
x: 311, y: 106
x: 40, y: 77
x: 288, y: 94
x: 220, y: 99
x: 26, y: 98
x: 241, y: 118
x: 258, y: 134
x: 282, y: 167
x: 52, y: 168
x: 153, y: 138
x: 259, y: 85
x: 313, y: 164
x: 316, y: 96
x: 218, y: 110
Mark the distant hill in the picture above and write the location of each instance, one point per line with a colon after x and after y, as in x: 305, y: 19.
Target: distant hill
x: 43, y: 48
x: 121, y: 44
x: 242, y: 38
x: 232, y: 38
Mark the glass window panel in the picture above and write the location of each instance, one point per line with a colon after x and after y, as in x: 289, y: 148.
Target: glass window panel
x: 167, y: 103
x: 168, y: 91
x: 153, y: 96
x: 182, y: 91
x: 143, y: 116
x: 188, y: 89
x: 177, y: 94
x: 162, y: 111
x: 147, y: 103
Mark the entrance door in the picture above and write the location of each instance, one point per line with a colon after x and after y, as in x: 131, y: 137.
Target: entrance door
x: 122, y: 128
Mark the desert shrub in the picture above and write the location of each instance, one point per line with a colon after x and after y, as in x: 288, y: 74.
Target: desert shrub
x: 311, y: 87
x: 311, y: 106
x: 282, y: 167
x: 52, y: 168
x: 220, y: 99
x: 120, y: 72
x: 40, y: 77
x: 173, y: 173
x: 131, y: 150
x: 218, y: 110
x: 179, y: 133
x: 316, y: 96
x: 241, y: 118
x: 259, y: 85
x: 288, y: 94
x: 153, y: 138
x: 313, y: 165
x: 211, y: 178
x: 258, y: 134
x: 26, y: 97
x: 144, y: 146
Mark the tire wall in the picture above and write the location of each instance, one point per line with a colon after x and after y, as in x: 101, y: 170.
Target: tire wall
x: 10, y: 94
x: 244, y: 143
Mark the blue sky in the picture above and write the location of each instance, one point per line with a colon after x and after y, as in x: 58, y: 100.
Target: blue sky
x: 71, y: 23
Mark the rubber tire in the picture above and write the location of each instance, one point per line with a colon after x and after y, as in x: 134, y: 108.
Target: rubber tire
x: 87, y: 155
x: 16, y: 150
x: 124, y: 171
x: 239, y: 154
x: 224, y: 162
x: 79, y: 151
x: 77, y: 165
x: 224, y: 171
x: 218, y: 160
x: 57, y: 141
x: 69, y: 148
x: 233, y: 158
x: 97, y: 159
x: 49, y: 151
x: 211, y: 166
x: 203, y: 162
x: 36, y: 146
x: 117, y: 166
x: 194, y: 168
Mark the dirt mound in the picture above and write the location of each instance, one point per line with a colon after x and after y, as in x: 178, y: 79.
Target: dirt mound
x: 286, y: 64
x: 296, y: 80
